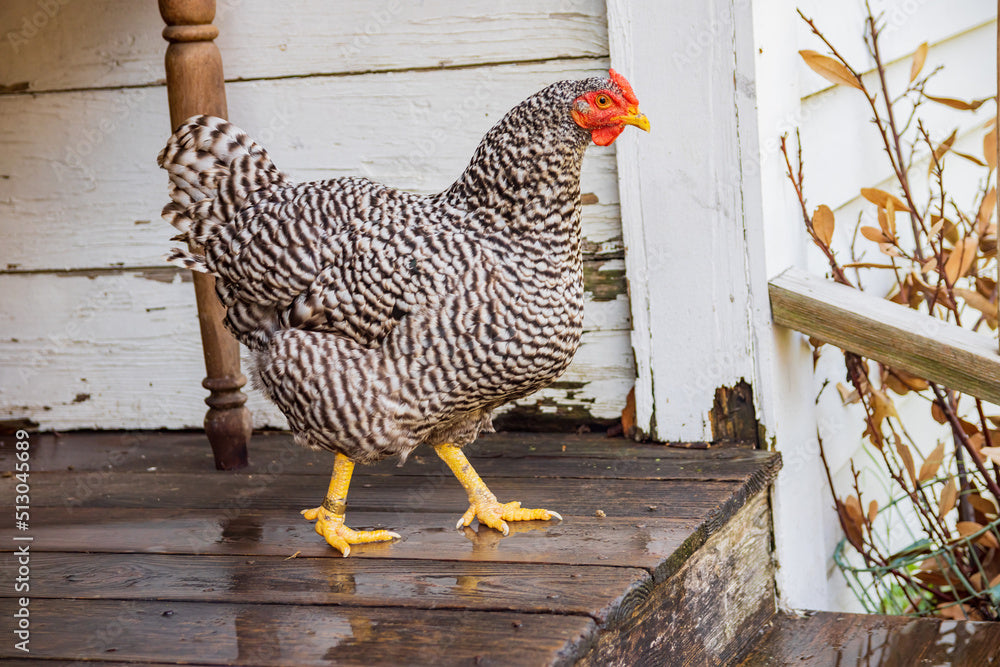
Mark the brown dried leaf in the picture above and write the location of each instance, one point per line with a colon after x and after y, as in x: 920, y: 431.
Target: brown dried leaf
x: 882, y: 407
x: 966, y: 528
x: 989, y: 540
x: 941, y: 149
x: 982, y: 505
x: 949, y: 495
x: 872, y: 511
x: 978, y: 301
x: 893, y: 382
x: 847, y: 395
x: 912, y: 381
x: 881, y: 198
x: 990, y: 148
x: 883, y: 223
x: 932, y: 463
x: 904, y: 453
x: 823, y: 224
x: 855, y: 513
x: 832, y: 70
x: 951, y: 232
x: 917, y: 64
x: 937, y: 224
x: 968, y: 427
x: 889, y: 249
x: 876, y: 235
x: 961, y: 258
x: 992, y: 453
x: 986, y: 209
x: 934, y: 563
x: 851, y: 529
x: 971, y: 158
x: 955, y: 103
x: 958, y: 612
x: 867, y: 265
x: 932, y: 578
x: 929, y: 265
x: 938, y: 413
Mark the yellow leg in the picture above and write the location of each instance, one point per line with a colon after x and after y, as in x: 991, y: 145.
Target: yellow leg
x: 483, y: 505
x: 330, y: 515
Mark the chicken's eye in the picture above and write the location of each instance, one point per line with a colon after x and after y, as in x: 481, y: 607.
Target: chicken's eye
x: 602, y: 101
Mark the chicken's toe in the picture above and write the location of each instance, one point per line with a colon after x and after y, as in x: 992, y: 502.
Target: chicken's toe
x: 340, y: 537
x: 495, y: 514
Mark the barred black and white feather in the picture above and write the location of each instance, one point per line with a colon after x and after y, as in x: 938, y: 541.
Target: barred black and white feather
x: 378, y: 319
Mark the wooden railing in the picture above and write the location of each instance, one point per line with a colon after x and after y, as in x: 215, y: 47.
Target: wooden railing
x: 895, y: 335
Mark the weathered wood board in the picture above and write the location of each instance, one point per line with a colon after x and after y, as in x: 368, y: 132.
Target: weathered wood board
x: 121, y: 349
x: 114, y: 43
x: 79, y: 168
x: 960, y: 359
x: 195, y: 574
x: 265, y: 635
x: 711, y: 610
x: 818, y: 639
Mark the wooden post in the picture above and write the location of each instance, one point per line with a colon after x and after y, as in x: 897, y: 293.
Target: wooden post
x: 195, y: 85
x: 691, y: 212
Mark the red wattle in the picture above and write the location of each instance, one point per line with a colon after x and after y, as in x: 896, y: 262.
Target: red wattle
x: 604, y: 136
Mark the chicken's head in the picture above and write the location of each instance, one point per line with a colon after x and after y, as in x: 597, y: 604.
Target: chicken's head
x: 606, y: 112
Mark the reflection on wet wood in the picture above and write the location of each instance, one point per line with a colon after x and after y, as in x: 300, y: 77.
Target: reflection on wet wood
x: 619, y: 541
x: 437, y: 584
x: 824, y: 638
x: 155, y: 560
x: 687, y: 499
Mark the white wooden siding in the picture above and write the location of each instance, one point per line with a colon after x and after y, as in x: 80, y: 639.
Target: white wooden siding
x: 94, y: 333
x: 842, y: 154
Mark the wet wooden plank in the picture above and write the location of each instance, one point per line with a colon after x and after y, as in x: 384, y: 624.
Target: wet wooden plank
x: 827, y: 638
x: 387, y: 493
x: 626, y: 542
x: 298, y: 635
x: 139, y: 450
x: 522, y: 587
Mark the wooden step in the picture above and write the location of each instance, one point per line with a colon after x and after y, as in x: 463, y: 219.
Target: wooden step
x: 663, y: 555
x: 819, y: 639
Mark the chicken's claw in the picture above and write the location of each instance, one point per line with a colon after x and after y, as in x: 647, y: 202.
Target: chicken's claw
x: 340, y: 537
x: 494, y: 514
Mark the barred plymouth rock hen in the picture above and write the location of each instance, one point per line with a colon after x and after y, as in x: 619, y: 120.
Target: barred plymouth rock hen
x: 380, y: 320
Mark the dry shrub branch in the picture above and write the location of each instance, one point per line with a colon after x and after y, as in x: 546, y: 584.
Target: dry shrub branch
x: 941, y: 261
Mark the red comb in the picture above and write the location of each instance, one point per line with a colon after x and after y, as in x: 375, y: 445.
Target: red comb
x: 625, y: 86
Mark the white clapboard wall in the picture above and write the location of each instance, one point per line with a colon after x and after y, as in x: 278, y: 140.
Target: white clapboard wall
x: 96, y: 332
x: 842, y: 154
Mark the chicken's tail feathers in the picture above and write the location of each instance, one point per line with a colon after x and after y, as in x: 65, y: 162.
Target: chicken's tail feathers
x: 215, y: 168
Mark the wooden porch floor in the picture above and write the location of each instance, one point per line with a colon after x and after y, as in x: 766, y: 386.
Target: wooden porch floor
x: 142, y: 553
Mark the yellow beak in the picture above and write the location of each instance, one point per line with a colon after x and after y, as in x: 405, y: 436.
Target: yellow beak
x: 634, y: 118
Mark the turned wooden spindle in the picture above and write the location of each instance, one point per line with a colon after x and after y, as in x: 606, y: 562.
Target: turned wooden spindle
x: 195, y: 86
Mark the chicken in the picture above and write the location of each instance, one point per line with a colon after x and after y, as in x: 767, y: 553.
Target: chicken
x: 379, y: 320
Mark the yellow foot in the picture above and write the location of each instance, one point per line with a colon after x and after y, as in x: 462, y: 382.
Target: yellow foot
x: 496, y: 515
x: 340, y: 537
